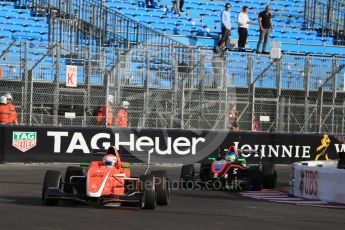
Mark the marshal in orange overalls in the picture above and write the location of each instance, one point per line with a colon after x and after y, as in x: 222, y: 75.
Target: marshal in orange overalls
x: 101, y: 115
x: 121, y: 119
x: 4, y: 114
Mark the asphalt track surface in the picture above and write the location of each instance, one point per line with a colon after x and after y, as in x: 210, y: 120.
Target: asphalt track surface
x: 21, y: 208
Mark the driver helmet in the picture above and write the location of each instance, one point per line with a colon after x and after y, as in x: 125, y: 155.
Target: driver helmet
x: 109, y: 160
x: 231, y: 155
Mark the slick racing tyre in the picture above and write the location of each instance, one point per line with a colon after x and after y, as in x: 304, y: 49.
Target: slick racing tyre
x: 80, y: 186
x: 255, y: 178
x: 187, y: 176
x: 147, y: 186
x: 53, y: 179
x: 187, y: 172
x: 205, y: 172
x: 269, y: 175
x: 162, y: 187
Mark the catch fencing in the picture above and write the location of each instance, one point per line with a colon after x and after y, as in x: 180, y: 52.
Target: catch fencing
x: 194, y: 89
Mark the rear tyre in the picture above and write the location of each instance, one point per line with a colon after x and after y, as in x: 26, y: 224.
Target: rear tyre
x: 255, y: 178
x: 187, y: 176
x: 74, y: 171
x: 52, y: 178
x: 269, y: 175
x: 162, y: 187
x: 147, y: 186
x: 187, y: 172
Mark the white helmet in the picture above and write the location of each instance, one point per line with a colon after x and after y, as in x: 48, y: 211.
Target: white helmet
x: 110, y: 160
x: 125, y: 104
x: 3, y: 100
x: 9, y: 96
x: 111, y: 99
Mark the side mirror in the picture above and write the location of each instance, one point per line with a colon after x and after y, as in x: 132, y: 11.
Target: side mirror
x: 83, y: 164
x: 241, y: 161
x: 124, y: 166
x: 211, y: 159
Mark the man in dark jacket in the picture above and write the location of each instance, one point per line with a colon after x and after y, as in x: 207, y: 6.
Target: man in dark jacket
x: 266, y: 25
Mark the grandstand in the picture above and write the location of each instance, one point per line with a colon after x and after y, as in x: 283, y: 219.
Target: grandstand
x: 162, y: 64
x: 200, y: 25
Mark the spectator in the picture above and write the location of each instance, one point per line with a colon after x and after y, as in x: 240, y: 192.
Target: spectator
x: 226, y: 24
x: 121, y: 119
x: 256, y: 127
x: 12, y: 108
x: 243, y: 24
x: 102, y: 111
x: 219, y: 64
x: 4, y: 111
x: 181, y: 5
x: 177, y: 6
x: 266, y: 25
x: 150, y: 4
x: 232, y: 118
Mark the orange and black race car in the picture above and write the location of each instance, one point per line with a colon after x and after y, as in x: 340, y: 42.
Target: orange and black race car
x: 104, y: 182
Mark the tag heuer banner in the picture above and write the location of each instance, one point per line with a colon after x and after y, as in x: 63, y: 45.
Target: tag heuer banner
x: 24, y: 140
x: 59, y: 144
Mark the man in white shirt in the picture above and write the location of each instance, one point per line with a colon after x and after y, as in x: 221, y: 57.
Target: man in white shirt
x: 243, y: 24
x: 226, y: 24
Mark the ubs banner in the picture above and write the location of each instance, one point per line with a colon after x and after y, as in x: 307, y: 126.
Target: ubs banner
x: 56, y: 144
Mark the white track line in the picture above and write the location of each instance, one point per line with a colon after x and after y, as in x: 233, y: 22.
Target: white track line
x: 286, y: 198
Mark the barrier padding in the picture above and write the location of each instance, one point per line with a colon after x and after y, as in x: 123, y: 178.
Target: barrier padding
x: 65, y: 144
x: 319, y: 180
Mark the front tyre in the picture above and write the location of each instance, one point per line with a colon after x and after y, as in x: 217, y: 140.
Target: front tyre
x: 147, y: 187
x: 53, y: 179
x: 162, y: 187
x: 255, y: 178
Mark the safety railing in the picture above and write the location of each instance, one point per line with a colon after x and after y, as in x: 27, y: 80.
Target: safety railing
x: 328, y: 16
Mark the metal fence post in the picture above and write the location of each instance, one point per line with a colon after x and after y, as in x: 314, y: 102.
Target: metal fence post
x: 201, y: 90
x: 57, y: 85
x: 24, y: 118
x: 118, y: 77
x: 320, y: 110
x: 176, y: 80
x: 183, y: 104
x: 306, y: 93
x: 278, y: 86
x: 88, y: 79
x: 334, y: 89
x: 106, y: 98
x: 251, y: 88
x: 31, y: 96
x: 147, y: 88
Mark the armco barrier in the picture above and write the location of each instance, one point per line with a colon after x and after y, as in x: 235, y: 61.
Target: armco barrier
x: 320, y: 180
x: 63, y: 144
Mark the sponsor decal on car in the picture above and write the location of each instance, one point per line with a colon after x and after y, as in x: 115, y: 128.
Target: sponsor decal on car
x: 24, y: 141
x: 309, y: 182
